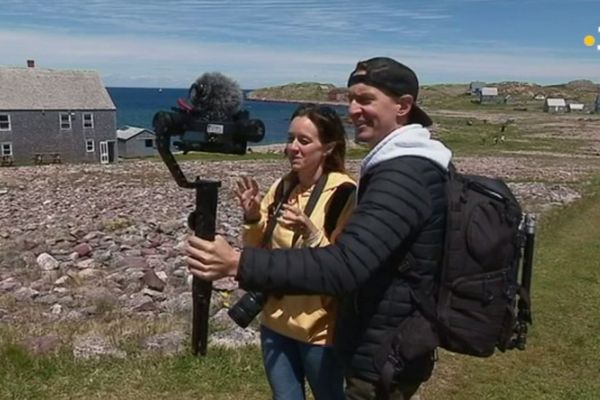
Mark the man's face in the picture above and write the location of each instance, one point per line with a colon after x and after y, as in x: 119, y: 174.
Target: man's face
x: 373, y: 113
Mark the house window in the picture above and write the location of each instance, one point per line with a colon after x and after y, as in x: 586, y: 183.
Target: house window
x: 6, y: 149
x: 89, y: 145
x: 149, y: 143
x: 88, y: 120
x: 4, y: 122
x: 65, y: 120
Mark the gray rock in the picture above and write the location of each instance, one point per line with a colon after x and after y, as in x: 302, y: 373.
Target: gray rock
x: 9, y: 284
x: 46, y: 299
x: 25, y: 293
x: 234, y: 336
x: 179, y: 304
x: 141, y: 303
x: 134, y: 262
x: 47, y: 263
x: 152, y: 280
x: 84, y: 264
x: 95, y: 346
x: 154, y: 294
x: 166, y: 344
x: 56, y: 309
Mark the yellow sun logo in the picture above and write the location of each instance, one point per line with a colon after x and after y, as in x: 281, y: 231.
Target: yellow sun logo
x: 589, y: 40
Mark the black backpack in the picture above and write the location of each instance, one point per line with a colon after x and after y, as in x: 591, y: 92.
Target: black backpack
x: 482, y: 298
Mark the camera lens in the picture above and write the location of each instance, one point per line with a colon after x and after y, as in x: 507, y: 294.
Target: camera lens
x: 247, y: 308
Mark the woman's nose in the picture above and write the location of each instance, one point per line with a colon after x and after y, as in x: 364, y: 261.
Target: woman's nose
x: 292, y: 147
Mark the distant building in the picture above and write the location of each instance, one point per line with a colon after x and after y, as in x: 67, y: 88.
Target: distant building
x: 55, y: 115
x: 136, y: 142
x: 539, y: 96
x: 338, y: 95
x: 554, y: 105
x: 575, y: 107
x: 475, y: 87
x: 488, y: 95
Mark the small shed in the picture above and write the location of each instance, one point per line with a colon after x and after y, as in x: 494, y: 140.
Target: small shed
x: 475, y: 87
x: 576, y: 107
x: 554, y: 105
x: 488, y: 95
x: 136, y: 142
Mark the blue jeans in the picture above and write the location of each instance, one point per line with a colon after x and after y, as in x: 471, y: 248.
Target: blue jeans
x: 288, y: 362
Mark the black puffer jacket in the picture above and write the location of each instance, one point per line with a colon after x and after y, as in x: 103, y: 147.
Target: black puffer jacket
x: 401, y: 209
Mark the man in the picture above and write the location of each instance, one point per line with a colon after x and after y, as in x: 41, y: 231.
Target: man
x: 392, y: 242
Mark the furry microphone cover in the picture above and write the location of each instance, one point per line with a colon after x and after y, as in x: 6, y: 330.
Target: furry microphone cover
x: 215, y: 96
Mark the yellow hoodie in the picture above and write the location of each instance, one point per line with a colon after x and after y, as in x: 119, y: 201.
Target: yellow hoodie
x: 308, y: 318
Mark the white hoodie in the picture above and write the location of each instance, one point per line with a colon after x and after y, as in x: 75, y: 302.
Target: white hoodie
x: 408, y: 140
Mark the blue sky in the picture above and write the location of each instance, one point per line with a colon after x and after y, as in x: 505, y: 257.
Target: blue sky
x: 147, y: 43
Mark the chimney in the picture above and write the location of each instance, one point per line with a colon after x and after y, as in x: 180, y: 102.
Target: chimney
x: 30, y: 63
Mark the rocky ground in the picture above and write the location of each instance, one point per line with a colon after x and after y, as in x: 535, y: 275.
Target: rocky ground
x: 87, y: 245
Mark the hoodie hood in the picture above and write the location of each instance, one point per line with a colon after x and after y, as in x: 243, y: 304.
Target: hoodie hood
x: 409, y: 140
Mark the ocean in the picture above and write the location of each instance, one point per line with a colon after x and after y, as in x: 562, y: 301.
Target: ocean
x: 137, y: 106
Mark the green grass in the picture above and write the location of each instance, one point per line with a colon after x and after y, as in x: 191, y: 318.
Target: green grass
x: 479, y: 138
x: 562, y: 359
x: 222, y: 374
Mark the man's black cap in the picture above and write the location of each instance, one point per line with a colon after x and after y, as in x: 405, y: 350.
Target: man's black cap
x: 392, y: 78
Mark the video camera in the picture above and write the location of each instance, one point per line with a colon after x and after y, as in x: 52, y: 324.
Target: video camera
x: 210, y: 120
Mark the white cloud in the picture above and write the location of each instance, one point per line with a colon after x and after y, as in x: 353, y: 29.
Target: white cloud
x: 137, y: 61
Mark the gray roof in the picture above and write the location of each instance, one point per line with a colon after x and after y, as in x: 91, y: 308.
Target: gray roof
x: 46, y: 89
x: 128, y: 132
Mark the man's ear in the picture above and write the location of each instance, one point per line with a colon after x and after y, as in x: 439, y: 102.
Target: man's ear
x: 405, y: 104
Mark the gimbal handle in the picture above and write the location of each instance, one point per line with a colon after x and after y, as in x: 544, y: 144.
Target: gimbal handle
x: 202, y: 220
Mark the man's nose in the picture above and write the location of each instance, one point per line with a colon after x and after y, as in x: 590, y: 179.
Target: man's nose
x: 353, y: 108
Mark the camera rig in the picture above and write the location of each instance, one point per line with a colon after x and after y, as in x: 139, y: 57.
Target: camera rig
x: 229, y: 137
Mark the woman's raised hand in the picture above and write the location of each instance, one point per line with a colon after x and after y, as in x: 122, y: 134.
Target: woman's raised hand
x: 294, y: 219
x: 248, y: 194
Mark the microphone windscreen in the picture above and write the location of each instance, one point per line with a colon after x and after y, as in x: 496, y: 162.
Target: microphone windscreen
x: 215, y: 96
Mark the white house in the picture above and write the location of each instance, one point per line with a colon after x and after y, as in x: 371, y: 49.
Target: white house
x: 555, y: 105
x: 576, y: 107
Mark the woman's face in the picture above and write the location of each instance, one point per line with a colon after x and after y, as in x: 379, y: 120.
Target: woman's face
x: 304, y: 148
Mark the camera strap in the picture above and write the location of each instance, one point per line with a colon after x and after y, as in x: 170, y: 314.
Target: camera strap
x: 312, y: 201
x: 283, y: 191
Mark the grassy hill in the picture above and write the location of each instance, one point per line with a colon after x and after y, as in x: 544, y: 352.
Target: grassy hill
x: 444, y: 96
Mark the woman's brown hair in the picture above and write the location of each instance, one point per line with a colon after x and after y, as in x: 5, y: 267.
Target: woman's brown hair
x: 331, y: 130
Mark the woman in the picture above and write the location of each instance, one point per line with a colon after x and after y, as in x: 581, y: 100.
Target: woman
x: 297, y: 331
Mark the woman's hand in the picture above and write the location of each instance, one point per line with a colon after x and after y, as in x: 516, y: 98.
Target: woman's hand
x: 248, y: 194
x: 294, y: 219
x: 211, y: 260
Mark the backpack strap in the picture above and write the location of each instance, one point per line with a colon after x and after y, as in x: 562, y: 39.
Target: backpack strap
x: 340, y: 198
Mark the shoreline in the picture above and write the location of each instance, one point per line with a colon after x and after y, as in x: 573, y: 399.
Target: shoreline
x: 269, y: 100
x: 280, y: 147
